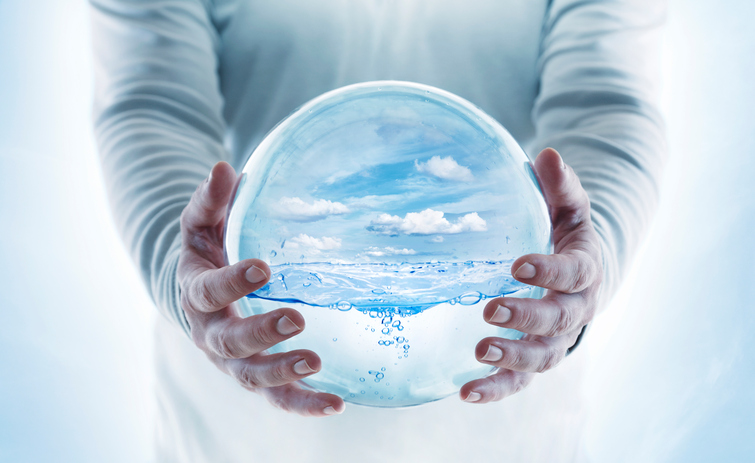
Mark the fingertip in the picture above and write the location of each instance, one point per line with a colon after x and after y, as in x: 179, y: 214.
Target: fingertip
x: 525, y: 267
x: 260, y: 264
x: 220, y: 182
x: 256, y: 271
x: 490, y: 308
x: 333, y: 405
x: 313, y: 361
x: 498, y: 312
x: 469, y: 394
x: 302, y: 367
x: 289, y: 321
x: 220, y: 170
x: 481, y: 349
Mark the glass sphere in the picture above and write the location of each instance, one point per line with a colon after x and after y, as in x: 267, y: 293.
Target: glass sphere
x: 389, y: 213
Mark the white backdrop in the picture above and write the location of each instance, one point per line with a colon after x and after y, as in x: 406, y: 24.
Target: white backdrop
x: 671, y: 366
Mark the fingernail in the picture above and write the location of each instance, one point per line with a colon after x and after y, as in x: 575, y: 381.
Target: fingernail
x: 526, y: 271
x: 302, y: 368
x: 493, y: 354
x: 255, y: 275
x: 502, y: 314
x: 330, y: 411
x: 473, y: 397
x: 285, y: 326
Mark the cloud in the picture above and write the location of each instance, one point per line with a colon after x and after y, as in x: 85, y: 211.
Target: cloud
x: 299, y: 211
x: 445, y: 168
x: 313, y: 245
x: 427, y: 222
x: 437, y: 239
x: 389, y: 251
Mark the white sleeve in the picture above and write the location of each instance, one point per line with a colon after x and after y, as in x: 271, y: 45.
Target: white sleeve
x: 597, y: 105
x: 158, y: 125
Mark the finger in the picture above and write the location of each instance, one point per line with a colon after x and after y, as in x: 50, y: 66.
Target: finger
x: 292, y: 398
x: 209, y: 290
x: 207, y: 206
x: 570, y: 271
x: 232, y: 337
x: 495, y: 387
x: 567, y: 200
x: 262, y: 371
x: 536, y: 354
x: 554, y: 315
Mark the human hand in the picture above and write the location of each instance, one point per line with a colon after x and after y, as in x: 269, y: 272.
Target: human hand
x: 572, y: 277
x: 237, y: 345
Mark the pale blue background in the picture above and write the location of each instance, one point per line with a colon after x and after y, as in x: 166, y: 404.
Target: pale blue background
x: 671, y: 376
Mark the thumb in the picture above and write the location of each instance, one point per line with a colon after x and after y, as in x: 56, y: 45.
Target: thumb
x: 562, y: 189
x: 208, y: 204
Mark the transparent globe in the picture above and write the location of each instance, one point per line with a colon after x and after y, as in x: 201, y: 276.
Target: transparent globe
x: 389, y: 213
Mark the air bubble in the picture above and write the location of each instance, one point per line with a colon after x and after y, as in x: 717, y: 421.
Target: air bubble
x: 470, y: 298
x: 344, y: 306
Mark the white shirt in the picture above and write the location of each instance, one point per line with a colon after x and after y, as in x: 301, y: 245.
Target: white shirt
x: 184, y: 84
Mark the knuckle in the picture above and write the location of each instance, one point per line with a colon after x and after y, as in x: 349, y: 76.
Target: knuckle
x: 551, y: 276
x: 184, y: 219
x: 280, y: 403
x: 527, y: 319
x: 247, y: 376
x: 198, y: 338
x: 512, y: 357
x: 264, y: 334
x: 519, y: 384
x: 550, y: 359
x: 571, y: 218
x: 234, y: 284
x: 280, y: 374
x: 564, y: 321
x: 219, y: 342
x: 186, y: 302
x: 584, y: 275
x: 203, y: 296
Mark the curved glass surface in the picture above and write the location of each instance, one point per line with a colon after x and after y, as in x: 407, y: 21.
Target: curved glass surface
x: 389, y: 213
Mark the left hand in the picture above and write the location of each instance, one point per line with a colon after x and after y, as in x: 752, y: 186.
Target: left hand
x: 572, y: 277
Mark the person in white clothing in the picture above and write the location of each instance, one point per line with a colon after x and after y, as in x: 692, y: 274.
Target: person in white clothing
x: 186, y: 89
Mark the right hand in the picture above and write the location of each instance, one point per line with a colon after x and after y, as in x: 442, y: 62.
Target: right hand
x: 237, y: 345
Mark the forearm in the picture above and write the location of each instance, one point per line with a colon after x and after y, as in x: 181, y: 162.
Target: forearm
x: 597, y: 107
x: 157, y: 124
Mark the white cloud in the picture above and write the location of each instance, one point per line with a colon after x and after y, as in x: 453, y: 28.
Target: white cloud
x: 299, y: 211
x: 389, y: 251
x: 445, y: 168
x: 427, y: 222
x: 313, y: 245
x: 437, y: 239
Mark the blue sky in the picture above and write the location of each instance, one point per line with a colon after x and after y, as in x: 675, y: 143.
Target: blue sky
x: 671, y: 361
x: 426, y: 182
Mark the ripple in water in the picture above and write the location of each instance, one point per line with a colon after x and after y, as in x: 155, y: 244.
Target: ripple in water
x: 383, y: 288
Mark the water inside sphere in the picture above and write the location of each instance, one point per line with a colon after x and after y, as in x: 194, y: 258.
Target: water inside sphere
x: 389, y: 213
